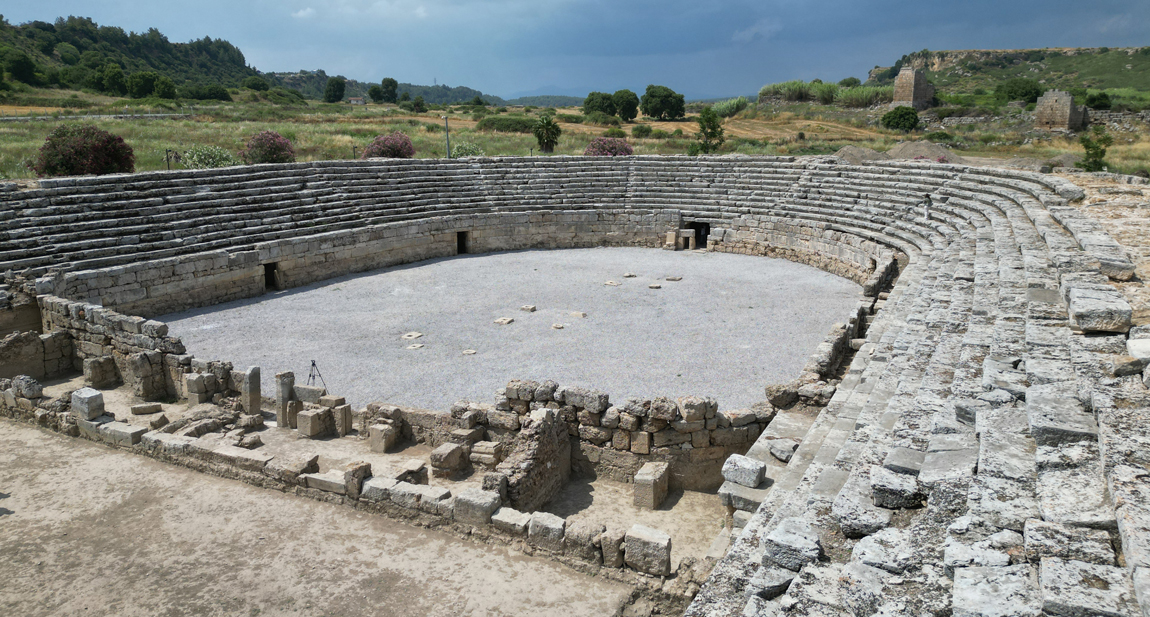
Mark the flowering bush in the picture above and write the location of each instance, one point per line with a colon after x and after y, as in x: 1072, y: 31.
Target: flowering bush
x: 268, y: 147
x: 461, y: 149
x: 78, y: 149
x: 207, y: 157
x: 608, y: 146
x: 393, y: 146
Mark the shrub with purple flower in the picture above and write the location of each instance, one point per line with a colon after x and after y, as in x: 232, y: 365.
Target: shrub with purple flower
x: 268, y: 147
x: 79, y: 149
x: 608, y: 146
x: 394, y: 146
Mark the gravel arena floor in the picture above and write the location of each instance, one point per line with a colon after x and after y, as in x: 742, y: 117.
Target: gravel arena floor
x: 733, y: 324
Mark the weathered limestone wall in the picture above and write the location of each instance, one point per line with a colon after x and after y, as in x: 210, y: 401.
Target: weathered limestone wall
x: 36, y: 355
x: 911, y: 89
x: 1056, y: 110
x: 19, y: 318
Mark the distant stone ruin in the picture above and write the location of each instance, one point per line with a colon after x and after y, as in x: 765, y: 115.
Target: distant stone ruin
x: 911, y: 89
x: 1056, y: 111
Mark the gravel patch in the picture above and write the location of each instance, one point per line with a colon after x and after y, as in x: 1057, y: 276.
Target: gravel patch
x: 731, y: 325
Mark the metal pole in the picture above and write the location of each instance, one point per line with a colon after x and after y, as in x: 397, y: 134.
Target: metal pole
x: 447, y: 130
x: 353, y: 152
x: 168, y: 159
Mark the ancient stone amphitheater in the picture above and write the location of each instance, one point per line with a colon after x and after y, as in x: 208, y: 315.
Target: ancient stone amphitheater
x: 983, y: 449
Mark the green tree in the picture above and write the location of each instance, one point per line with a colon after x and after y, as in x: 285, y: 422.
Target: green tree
x: 662, y: 102
x: 164, y: 88
x: 112, y: 80
x: 547, y: 133
x: 256, y: 83
x: 600, y: 102
x: 333, y: 92
x: 406, y: 96
x: 1095, y: 144
x: 478, y: 101
x: 376, y: 94
x: 710, y: 135
x: 20, y: 66
x: 1018, y: 89
x: 1098, y: 100
x: 141, y: 84
x: 626, y: 105
x: 901, y: 119
x: 418, y: 106
x: 850, y: 82
x: 389, y: 86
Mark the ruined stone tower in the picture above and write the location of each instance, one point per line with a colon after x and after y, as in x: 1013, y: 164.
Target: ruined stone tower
x: 912, y: 90
x: 1056, y: 110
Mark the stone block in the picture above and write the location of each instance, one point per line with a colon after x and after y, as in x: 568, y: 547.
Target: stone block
x: 511, y: 521
x: 354, y: 474
x: 1079, y: 589
x: 648, y: 550
x: 1057, y: 417
x: 313, y: 423
x: 249, y: 387
x: 328, y: 400
x: 290, y: 469
x: 308, y: 394
x: 640, y: 442
x: 475, y: 507
x: 581, y: 540
x: 611, y: 546
x: 651, y: 485
x: 894, y: 490
x: 904, y: 461
x: 146, y: 409
x: 101, y: 372
x: 405, y: 495
x: 378, y: 489
x: 342, y: 419
x: 854, y: 507
x: 792, y: 544
x: 947, y: 465
x: 122, y: 434
x: 87, y: 404
x: 285, y: 382
x: 411, y: 470
x: 331, y: 482
x: 783, y: 449
x: 447, y: 459
x: 744, y: 470
x: 740, y: 497
x: 158, y: 422
x: 382, y: 437
x: 1045, y: 539
x: 1010, y: 591
x: 769, y: 582
x: 1098, y: 310
x: 889, y: 549
x: 546, y: 530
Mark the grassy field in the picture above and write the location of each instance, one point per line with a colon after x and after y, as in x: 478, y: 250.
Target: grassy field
x: 330, y: 132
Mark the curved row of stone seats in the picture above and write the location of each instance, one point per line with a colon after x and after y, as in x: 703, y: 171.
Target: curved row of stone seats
x: 906, y: 403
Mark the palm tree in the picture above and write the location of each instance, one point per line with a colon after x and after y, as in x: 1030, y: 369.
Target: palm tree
x: 547, y: 131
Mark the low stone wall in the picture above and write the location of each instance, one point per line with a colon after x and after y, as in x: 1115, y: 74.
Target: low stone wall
x: 37, y: 355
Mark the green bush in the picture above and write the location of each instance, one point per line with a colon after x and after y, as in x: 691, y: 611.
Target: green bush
x: 677, y: 133
x: 824, y: 93
x: 641, y: 130
x: 256, y: 83
x: 939, y: 136
x: 506, y: 124
x: 616, y: 133
x: 1018, y: 89
x: 570, y: 118
x: 850, y: 82
x: 660, y: 134
x: 601, y: 119
x: 268, y: 147
x: 730, y: 107
x: 461, y: 149
x: 207, y: 157
x: 81, y: 149
x: 1098, y: 100
x: 901, y: 119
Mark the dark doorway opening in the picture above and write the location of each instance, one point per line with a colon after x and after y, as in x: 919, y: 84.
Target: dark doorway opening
x: 701, y: 232
x: 461, y: 243
x: 272, y: 276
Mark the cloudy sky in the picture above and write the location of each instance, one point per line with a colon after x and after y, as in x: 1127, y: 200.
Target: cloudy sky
x: 701, y: 48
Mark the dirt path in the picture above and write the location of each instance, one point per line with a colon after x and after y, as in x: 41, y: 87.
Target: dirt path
x: 86, y: 530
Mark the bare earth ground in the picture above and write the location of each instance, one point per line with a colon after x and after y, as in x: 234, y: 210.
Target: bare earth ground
x: 1124, y: 211
x: 87, y: 530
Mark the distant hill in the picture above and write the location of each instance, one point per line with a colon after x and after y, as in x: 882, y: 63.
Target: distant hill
x: 70, y: 51
x: 963, y: 71
x: 312, y: 83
